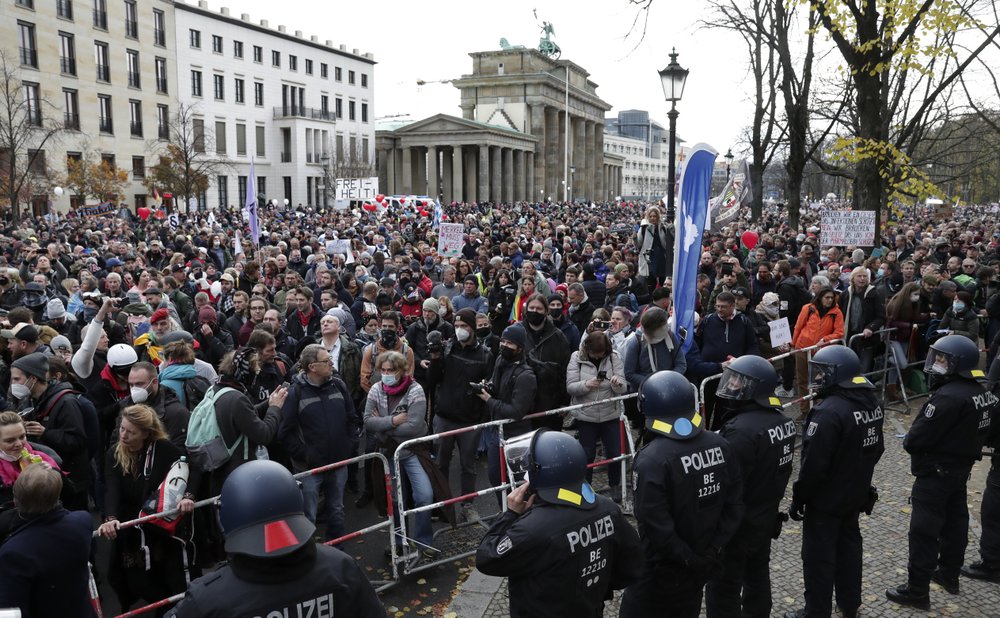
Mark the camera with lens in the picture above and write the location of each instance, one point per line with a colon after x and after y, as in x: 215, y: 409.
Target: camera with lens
x: 434, y: 344
x: 486, y: 386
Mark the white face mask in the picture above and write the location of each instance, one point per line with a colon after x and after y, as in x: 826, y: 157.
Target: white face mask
x: 139, y: 394
x: 914, y: 298
x: 461, y: 334
x: 20, y: 391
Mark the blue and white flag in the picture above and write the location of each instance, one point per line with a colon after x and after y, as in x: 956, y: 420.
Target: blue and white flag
x: 692, y: 212
x: 436, y: 222
x: 251, y: 205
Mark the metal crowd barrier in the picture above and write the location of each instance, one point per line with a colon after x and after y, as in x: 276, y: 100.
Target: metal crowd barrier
x: 885, y: 366
x: 380, y: 585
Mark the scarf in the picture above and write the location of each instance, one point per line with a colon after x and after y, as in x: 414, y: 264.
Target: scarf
x: 10, y: 470
x: 770, y: 313
x: 400, y: 388
x: 120, y: 391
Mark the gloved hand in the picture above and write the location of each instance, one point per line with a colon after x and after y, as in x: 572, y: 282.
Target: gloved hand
x: 872, y: 499
x: 797, y: 511
x: 707, y: 565
x: 778, y: 523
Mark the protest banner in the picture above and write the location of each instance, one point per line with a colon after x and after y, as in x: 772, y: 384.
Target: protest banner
x: 840, y: 228
x: 450, y: 239
x: 356, y: 188
x: 781, y: 334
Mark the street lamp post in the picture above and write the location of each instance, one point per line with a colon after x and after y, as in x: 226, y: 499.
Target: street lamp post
x: 729, y: 162
x: 672, y: 79
x: 569, y: 189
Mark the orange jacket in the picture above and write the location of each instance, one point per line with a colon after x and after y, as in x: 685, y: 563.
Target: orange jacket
x: 810, y: 328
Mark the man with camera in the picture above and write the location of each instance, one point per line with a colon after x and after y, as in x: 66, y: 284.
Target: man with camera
x: 455, y: 371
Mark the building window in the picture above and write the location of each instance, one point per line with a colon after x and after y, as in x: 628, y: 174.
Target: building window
x: 340, y: 147
x: 258, y: 94
x: 195, y: 37
x: 104, y: 119
x: 161, y: 75
x: 102, y: 62
x: 237, y: 49
x: 364, y: 80
x: 338, y: 74
x: 258, y: 53
x: 131, y: 20
x: 100, y: 14
x: 350, y: 78
x: 350, y: 110
x: 261, y: 185
x: 28, y: 4
x: 275, y: 58
x: 364, y: 112
x: 222, y: 185
x: 309, y: 67
x: 324, y: 70
x: 219, y: 83
x: 135, y: 118
x: 241, y: 187
x: 198, y: 132
x: 138, y: 167
x: 159, y: 28
x: 216, y: 43
x: 324, y: 105
x: 364, y: 149
x: 220, y: 137
x: 162, y: 122
x: 287, y: 182
x: 64, y: 9
x: 260, y: 146
x: 196, y: 83
x: 67, y: 54
x: 71, y: 116
x: 36, y: 162
x: 338, y: 107
x: 241, y: 139
x: 33, y: 99
x: 293, y: 63
x: 240, y: 91
x: 26, y: 43
x: 132, y: 63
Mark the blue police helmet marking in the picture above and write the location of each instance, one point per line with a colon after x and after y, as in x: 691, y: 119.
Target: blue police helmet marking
x: 682, y: 427
x: 588, y: 493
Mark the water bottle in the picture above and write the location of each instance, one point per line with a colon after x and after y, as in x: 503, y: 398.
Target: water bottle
x: 262, y: 453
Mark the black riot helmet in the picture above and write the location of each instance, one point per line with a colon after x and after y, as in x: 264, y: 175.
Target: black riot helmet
x: 666, y: 400
x: 749, y: 378
x: 261, y: 511
x: 557, y: 470
x: 954, y: 355
x: 836, y: 365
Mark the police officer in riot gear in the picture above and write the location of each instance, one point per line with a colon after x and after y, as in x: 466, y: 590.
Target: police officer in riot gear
x: 944, y: 442
x: 842, y: 443
x: 563, y: 548
x: 762, y: 440
x: 274, y: 566
x: 987, y: 568
x: 688, y: 501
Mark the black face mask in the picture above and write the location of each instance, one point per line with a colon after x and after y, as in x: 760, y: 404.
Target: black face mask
x: 533, y: 318
x: 556, y: 314
x: 388, y: 337
x: 510, y: 355
x: 484, y: 332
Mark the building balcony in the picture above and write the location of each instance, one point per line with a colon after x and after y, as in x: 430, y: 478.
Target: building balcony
x: 161, y: 85
x: 163, y: 132
x: 67, y: 66
x: 71, y: 121
x: 29, y: 57
x: 159, y: 37
x: 103, y: 73
x: 309, y: 113
x: 131, y: 28
x: 136, y: 129
x: 105, y: 125
x: 133, y: 79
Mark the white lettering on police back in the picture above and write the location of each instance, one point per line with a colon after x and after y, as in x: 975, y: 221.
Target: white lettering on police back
x: 703, y: 459
x: 782, y: 432
x: 591, y: 533
x: 320, y: 607
x: 985, y: 400
x: 868, y: 416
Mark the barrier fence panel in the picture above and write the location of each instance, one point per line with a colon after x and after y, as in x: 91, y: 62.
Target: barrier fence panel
x: 380, y: 585
x: 885, y: 366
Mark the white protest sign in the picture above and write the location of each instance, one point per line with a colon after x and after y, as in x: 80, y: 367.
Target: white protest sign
x: 847, y: 227
x: 356, y: 188
x: 341, y: 246
x: 450, y: 239
x: 781, y: 334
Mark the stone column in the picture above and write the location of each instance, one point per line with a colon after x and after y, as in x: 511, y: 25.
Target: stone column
x: 470, y: 157
x: 432, y: 172
x: 531, y: 190
x: 484, y: 173
x: 468, y: 112
x: 397, y: 170
x: 496, y: 174
x: 407, y: 184
x: 536, y: 173
x: 457, y: 177
x: 447, y: 186
x: 551, y: 163
x: 519, y: 176
x: 383, y: 168
x: 600, y: 188
x: 507, y: 176
x: 590, y: 157
x: 420, y: 174
x: 579, y: 160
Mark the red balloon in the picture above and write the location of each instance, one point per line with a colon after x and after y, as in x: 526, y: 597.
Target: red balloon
x: 379, y: 197
x: 369, y: 207
x: 402, y: 200
x: 749, y: 239
x: 423, y: 213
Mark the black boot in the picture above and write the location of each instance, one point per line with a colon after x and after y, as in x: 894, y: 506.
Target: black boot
x: 950, y: 584
x: 796, y: 614
x: 907, y: 595
x: 982, y: 570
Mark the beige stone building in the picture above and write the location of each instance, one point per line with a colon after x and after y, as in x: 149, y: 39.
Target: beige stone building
x: 105, y: 70
x: 511, y: 142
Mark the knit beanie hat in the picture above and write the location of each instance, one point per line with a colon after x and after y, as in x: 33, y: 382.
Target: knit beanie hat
x: 36, y: 364
x: 431, y: 304
x: 55, y: 309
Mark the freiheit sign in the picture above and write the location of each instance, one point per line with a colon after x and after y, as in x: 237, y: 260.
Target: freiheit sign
x: 357, y: 188
x: 847, y: 227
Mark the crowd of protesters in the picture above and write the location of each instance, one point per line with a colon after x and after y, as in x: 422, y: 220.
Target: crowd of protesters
x: 116, y: 329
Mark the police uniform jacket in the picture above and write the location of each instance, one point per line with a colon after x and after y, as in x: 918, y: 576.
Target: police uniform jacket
x: 951, y: 428
x: 842, y: 443
x: 313, y: 581
x: 763, y: 441
x: 688, y: 498
x: 561, y: 560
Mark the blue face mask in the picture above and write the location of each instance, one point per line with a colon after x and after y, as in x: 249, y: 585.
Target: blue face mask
x: 389, y: 379
x: 958, y: 307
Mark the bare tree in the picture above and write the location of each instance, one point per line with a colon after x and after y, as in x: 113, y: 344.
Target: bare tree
x: 25, y: 130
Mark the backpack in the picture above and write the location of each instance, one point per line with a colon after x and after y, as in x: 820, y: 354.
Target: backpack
x: 194, y: 391
x: 205, y: 445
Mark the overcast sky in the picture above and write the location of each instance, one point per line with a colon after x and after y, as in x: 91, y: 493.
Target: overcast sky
x: 431, y: 40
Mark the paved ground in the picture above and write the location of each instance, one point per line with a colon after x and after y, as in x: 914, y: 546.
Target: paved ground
x: 884, y: 556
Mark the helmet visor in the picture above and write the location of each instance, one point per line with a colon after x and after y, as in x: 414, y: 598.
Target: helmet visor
x: 821, y: 375
x: 940, y: 363
x: 516, y: 452
x: 734, y: 385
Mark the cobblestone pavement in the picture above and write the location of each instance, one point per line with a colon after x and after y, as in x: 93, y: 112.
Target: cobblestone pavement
x: 885, y: 549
